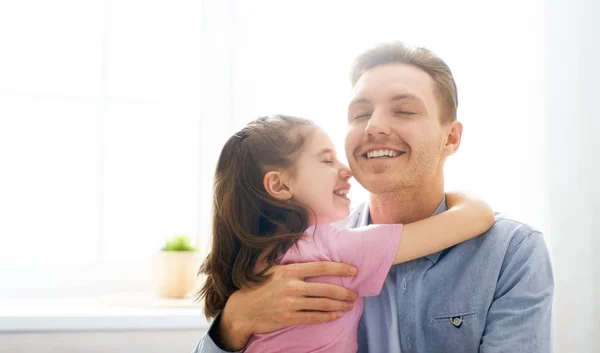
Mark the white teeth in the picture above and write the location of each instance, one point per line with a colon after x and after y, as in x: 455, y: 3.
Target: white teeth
x: 341, y: 192
x: 381, y: 153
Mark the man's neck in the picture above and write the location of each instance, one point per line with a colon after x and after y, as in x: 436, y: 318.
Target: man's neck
x: 406, y: 206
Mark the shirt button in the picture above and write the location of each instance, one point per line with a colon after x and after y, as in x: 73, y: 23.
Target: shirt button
x: 456, y: 321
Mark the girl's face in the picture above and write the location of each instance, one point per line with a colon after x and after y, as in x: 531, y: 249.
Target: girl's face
x: 319, y: 180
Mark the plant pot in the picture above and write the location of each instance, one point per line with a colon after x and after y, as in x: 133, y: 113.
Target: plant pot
x: 175, y: 273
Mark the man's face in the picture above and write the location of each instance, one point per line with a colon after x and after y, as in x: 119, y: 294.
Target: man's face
x: 395, y: 139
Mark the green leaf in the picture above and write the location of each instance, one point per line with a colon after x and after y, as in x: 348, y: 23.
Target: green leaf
x: 179, y: 242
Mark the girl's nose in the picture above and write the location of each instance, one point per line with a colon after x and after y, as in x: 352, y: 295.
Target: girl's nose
x: 345, y: 172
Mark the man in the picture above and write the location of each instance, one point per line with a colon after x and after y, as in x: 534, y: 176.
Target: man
x: 489, y: 294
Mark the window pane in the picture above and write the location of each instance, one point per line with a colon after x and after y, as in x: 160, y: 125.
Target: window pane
x: 155, y: 49
x: 152, y: 172
x: 51, y: 46
x: 48, y: 154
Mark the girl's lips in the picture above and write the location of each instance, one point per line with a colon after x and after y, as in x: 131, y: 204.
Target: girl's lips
x: 343, y: 187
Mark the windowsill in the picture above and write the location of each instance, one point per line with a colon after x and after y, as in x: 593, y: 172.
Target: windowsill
x: 123, y: 312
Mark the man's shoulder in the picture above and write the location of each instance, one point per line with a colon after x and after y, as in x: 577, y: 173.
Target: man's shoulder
x: 509, y: 243
x: 516, y: 230
x: 507, y: 234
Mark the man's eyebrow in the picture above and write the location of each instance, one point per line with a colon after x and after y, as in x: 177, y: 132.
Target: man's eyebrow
x: 397, y: 97
x: 405, y: 96
x: 358, y: 101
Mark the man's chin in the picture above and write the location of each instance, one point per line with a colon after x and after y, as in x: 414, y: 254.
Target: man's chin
x: 377, y: 183
x: 380, y: 168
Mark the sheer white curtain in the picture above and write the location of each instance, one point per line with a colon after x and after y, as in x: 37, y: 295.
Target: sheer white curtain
x: 573, y: 168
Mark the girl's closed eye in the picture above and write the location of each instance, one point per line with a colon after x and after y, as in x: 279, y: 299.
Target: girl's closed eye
x: 361, y: 116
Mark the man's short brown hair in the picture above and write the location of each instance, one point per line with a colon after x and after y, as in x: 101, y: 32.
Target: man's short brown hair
x: 422, y: 58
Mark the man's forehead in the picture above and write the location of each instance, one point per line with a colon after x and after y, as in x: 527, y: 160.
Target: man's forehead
x: 392, y: 80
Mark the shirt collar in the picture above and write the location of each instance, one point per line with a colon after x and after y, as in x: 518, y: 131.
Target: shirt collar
x: 364, y: 218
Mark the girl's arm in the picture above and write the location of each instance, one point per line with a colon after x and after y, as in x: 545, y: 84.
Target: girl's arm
x: 465, y: 218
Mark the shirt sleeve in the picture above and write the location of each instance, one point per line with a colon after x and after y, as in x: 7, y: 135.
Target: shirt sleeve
x: 371, y: 249
x: 519, y: 319
x: 206, y: 343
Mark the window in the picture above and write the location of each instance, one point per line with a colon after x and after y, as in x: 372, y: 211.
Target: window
x: 100, y: 127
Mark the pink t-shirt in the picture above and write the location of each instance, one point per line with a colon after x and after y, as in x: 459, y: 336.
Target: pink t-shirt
x: 371, y: 249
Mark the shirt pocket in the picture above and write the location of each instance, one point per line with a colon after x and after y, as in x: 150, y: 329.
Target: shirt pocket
x: 456, y: 319
x: 455, y: 331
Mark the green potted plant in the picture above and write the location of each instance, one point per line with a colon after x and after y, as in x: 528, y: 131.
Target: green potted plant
x: 175, y: 268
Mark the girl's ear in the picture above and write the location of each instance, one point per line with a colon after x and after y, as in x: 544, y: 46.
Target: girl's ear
x: 275, y: 184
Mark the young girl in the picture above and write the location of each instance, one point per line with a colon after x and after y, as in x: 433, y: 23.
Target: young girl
x: 278, y: 185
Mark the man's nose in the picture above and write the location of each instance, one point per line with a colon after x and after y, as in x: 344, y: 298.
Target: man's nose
x: 378, y: 125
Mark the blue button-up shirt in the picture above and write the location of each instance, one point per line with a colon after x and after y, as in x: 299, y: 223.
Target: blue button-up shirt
x: 492, y: 293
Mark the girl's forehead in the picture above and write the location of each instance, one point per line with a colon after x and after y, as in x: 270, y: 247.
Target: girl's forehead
x: 317, y: 145
x: 319, y: 139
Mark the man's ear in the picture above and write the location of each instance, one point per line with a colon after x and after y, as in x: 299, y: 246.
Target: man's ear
x: 453, y: 138
x: 275, y: 184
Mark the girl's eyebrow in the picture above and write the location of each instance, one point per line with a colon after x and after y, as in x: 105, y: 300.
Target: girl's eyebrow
x: 325, y: 151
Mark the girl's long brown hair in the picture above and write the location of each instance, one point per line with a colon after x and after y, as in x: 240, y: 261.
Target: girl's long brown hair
x: 248, y: 223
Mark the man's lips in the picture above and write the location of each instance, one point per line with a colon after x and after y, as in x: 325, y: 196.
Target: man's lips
x: 379, y: 152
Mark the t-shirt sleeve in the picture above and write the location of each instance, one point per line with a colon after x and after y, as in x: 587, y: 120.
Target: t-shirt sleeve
x: 371, y: 249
